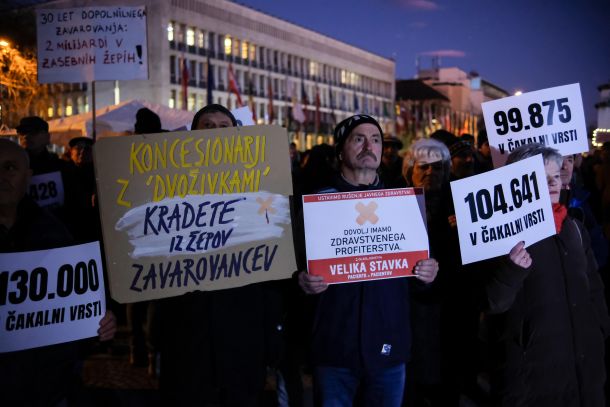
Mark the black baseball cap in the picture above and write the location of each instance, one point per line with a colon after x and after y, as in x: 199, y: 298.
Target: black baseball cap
x: 77, y: 140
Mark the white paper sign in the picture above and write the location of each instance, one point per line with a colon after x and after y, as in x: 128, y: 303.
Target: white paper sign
x: 243, y: 115
x: 497, y: 209
x: 367, y: 235
x: 553, y: 117
x: 50, y: 296
x: 92, y: 43
x: 47, y: 189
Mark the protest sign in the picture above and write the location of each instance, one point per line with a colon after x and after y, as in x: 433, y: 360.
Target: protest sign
x: 200, y: 210
x: 497, y: 209
x: 368, y: 235
x: 47, y: 189
x: 91, y: 44
x: 553, y: 117
x: 50, y: 296
x: 243, y: 115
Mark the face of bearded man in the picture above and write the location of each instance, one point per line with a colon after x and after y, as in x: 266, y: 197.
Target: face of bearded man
x: 362, y: 149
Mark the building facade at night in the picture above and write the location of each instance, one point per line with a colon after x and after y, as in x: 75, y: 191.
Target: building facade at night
x: 275, y: 63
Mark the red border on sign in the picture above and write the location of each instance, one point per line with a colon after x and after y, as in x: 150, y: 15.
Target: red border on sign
x: 379, y: 193
x: 350, y: 269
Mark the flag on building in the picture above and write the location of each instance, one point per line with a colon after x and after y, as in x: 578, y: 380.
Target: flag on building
x: 184, y: 81
x: 297, y: 109
x: 270, y: 95
x: 210, y: 84
x: 234, y: 86
x: 317, y: 116
x: 251, y: 101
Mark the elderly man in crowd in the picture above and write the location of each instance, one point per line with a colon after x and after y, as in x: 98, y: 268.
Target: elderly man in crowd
x: 40, y: 376
x: 362, y: 333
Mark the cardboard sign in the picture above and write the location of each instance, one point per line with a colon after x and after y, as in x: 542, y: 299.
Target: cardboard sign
x: 50, y: 296
x: 200, y: 210
x: 497, y: 209
x: 553, y: 117
x: 91, y: 44
x: 368, y: 235
x: 47, y: 189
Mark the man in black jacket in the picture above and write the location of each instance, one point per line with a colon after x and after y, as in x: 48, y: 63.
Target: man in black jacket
x: 362, y: 333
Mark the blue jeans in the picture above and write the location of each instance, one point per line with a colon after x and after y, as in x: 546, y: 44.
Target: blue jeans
x: 336, y: 386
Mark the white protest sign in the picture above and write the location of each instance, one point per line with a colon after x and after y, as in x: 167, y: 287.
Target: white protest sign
x: 92, y: 44
x: 243, y: 115
x: 47, y: 189
x: 50, y: 296
x: 367, y: 235
x: 497, y: 209
x: 553, y: 117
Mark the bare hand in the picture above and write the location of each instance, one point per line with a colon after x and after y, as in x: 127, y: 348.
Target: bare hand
x: 312, y: 284
x: 426, y: 270
x: 107, y: 327
x: 520, y: 256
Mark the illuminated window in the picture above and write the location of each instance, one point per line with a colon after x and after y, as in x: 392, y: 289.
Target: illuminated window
x: 244, y: 50
x: 228, y: 45
x: 190, y: 37
x: 69, y: 110
x: 343, y: 77
x: 200, y: 39
x: 50, y: 111
x: 252, y: 49
x: 191, y: 102
x: 170, y: 31
x: 172, y: 99
x: 236, y: 47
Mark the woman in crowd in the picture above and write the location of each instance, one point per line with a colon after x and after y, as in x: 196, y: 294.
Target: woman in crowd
x: 549, y: 318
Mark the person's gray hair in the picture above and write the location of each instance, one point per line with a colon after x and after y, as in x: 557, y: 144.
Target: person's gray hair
x: 426, y: 148
x: 532, y: 149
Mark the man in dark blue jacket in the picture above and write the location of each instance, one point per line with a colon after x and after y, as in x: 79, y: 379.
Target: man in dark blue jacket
x: 361, y: 334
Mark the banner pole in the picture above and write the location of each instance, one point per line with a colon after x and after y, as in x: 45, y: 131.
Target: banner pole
x: 93, y: 132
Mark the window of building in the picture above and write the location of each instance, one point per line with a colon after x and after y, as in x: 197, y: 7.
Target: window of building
x: 170, y: 31
x: 227, y: 44
x: 50, y: 111
x: 180, y: 33
x: 69, y: 110
x: 244, y: 49
x: 236, y: 47
x: 252, y: 50
x: 172, y: 99
x: 190, y: 37
x: 211, y: 44
x: 201, y: 39
x: 191, y: 101
x: 172, y: 67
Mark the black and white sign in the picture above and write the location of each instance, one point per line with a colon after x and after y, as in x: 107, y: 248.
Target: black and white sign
x: 497, y: 209
x: 553, y: 117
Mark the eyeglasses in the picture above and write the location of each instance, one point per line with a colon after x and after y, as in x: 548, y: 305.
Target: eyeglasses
x: 436, y: 166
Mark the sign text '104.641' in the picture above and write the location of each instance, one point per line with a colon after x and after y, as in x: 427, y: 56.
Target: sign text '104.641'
x: 539, y: 114
x: 76, y: 279
x: 482, y: 206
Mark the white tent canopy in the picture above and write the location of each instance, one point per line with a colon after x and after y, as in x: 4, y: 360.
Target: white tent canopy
x: 116, y: 120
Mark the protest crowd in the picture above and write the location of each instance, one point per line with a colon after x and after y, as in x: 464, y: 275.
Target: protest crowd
x: 527, y: 328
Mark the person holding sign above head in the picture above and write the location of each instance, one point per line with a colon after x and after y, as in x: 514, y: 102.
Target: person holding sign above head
x: 216, y: 345
x: 361, y: 336
x: 39, y: 376
x: 548, y: 317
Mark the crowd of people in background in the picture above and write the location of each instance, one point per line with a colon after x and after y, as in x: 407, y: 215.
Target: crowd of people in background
x: 525, y: 329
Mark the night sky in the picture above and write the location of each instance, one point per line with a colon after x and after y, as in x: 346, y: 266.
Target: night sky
x: 516, y: 44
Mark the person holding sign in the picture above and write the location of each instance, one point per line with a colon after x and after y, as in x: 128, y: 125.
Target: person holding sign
x: 39, y: 376
x: 362, y: 331
x: 548, y: 317
x: 215, y: 345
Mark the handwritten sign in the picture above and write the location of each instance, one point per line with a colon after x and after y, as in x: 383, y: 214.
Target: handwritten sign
x: 553, y: 117
x: 500, y: 208
x: 368, y: 235
x: 200, y: 210
x: 92, y: 43
x: 47, y: 189
x: 50, y: 296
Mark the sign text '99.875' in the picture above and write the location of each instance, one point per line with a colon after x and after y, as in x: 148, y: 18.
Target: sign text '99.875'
x: 553, y: 117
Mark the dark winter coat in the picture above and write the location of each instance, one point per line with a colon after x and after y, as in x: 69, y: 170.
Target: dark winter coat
x: 550, y: 326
